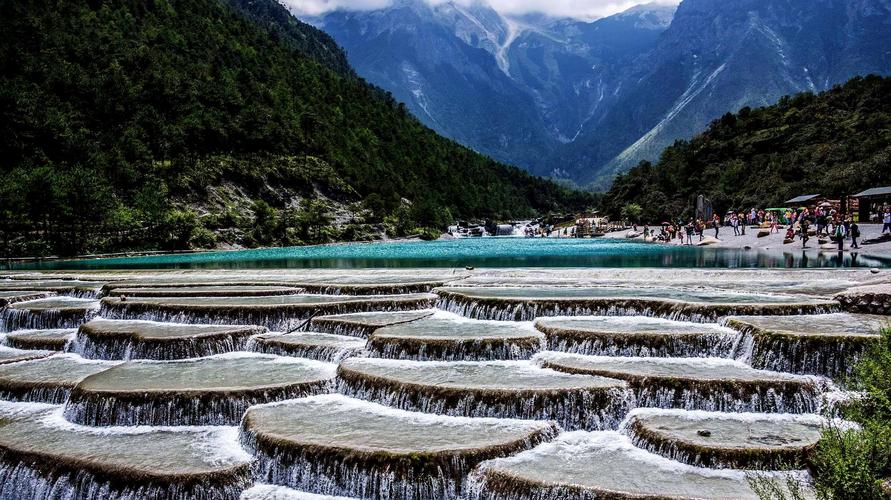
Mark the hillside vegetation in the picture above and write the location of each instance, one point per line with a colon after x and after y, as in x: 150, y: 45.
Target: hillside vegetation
x: 174, y: 124
x: 836, y: 143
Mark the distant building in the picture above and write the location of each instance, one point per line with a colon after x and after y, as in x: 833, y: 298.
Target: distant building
x: 806, y: 200
x: 872, y: 202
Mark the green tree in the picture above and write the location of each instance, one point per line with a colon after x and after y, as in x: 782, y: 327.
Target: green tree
x: 632, y: 212
x: 314, y: 221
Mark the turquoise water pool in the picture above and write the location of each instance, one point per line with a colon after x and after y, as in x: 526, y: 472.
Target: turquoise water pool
x: 479, y: 252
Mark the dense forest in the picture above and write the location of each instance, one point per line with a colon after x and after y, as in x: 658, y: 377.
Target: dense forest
x: 173, y: 124
x: 836, y: 143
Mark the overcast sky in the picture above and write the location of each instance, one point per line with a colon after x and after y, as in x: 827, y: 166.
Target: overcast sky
x: 581, y: 9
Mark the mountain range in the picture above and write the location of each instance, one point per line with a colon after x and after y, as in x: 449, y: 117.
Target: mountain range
x: 584, y: 100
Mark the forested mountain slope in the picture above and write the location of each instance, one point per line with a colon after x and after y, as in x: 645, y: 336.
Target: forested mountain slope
x: 165, y: 123
x: 835, y: 143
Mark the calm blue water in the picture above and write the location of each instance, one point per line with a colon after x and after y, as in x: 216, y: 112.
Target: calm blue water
x: 480, y: 252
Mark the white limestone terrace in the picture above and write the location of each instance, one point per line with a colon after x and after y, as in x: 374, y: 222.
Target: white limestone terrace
x: 665, y: 407
x: 47, y: 313
x: 43, y: 452
x: 137, y: 339
x: 214, y: 390
x: 603, y: 464
x: 8, y: 297
x: 727, y: 440
x: 47, y: 379
x: 336, y: 445
x: 716, y: 384
x: 692, y: 304
x: 72, y: 287
x: 820, y: 344
x: 53, y: 339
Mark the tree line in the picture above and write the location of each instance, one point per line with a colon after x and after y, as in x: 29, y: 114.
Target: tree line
x: 836, y: 143
x: 172, y: 123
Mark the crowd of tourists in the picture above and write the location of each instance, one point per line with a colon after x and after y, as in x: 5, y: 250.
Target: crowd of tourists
x: 803, y: 224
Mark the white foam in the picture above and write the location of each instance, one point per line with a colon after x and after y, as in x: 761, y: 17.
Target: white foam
x: 272, y: 492
x: 743, y: 417
x: 219, y: 444
x: 579, y: 443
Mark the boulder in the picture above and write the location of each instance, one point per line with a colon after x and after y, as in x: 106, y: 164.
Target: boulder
x: 786, y: 241
x: 763, y: 233
x: 708, y: 240
x: 873, y: 299
x: 632, y: 234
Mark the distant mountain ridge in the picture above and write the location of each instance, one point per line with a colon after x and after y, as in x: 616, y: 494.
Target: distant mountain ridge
x: 516, y: 89
x: 578, y: 100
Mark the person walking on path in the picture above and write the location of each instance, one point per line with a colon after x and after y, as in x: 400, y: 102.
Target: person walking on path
x: 689, y: 230
x: 734, y: 221
x: 840, y: 236
x: 855, y: 233
x: 886, y: 221
x: 803, y: 226
x: 716, y: 223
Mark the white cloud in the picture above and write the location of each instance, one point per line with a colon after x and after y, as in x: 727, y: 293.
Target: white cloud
x: 581, y: 9
x: 317, y: 7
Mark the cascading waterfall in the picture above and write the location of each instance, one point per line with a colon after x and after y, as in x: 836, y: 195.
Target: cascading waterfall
x: 24, y: 477
x: 33, y: 393
x: 323, y: 325
x: 83, y: 293
x: 504, y: 310
x: 728, y: 396
x: 686, y: 346
x: 126, y: 348
x: 475, y: 350
x: 273, y: 318
x: 186, y: 408
x: 578, y: 409
x: 23, y: 319
x: 363, y: 325
x: 826, y: 355
x: 326, y: 353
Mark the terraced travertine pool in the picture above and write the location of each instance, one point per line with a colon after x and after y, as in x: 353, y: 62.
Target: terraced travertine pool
x: 423, y: 384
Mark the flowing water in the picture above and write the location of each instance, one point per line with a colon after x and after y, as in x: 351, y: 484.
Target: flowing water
x: 425, y: 384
